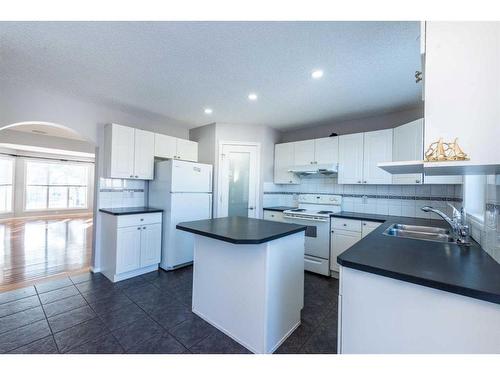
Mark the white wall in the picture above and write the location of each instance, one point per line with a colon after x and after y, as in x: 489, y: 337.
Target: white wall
x: 209, y: 137
x: 22, y: 103
x: 384, y: 121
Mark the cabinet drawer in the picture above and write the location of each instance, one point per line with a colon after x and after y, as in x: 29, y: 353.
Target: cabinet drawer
x: 273, y: 215
x: 346, y: 224
x: 139, y: 219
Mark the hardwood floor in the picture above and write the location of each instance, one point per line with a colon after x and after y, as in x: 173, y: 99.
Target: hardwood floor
x: 38, y: 248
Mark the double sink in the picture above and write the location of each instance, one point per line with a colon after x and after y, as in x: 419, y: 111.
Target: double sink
x: 418, y: 232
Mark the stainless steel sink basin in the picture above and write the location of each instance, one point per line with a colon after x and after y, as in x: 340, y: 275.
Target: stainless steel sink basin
x: 419, y: 228
x: 419, y: 233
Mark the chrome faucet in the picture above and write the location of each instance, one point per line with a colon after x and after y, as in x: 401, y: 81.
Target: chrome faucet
x: 458, y: 223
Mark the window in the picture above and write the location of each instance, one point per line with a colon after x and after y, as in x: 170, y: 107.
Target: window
x: 6, y: 180
x: 56, y: 185
x: 475, y: 196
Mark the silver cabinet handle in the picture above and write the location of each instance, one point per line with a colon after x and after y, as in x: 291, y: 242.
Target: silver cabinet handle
x: 417, y: 181
x: 139, y: 228
x: 364, y: 182
x: 142, y: 219
x: 143, y: 227
x: 359, y: 182
x: 251, y: 208
x: 131, y: 176
x: 136, y: 176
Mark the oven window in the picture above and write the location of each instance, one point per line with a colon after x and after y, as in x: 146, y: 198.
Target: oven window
x: 311, y: 231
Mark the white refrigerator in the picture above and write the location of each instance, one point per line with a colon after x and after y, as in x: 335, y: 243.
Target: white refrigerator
x: 184, y: 191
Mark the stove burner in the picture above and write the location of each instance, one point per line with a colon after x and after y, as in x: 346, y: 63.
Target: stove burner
x: 298, y: 210
x: 325, y: 212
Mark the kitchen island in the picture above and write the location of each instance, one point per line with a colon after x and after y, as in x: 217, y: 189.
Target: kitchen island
x: 248, y: 278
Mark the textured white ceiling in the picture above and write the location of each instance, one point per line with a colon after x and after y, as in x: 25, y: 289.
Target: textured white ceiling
x: 47, y: 130
x: 178, y: 68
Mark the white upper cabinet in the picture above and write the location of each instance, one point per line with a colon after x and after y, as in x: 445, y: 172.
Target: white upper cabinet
x: 165, y: 146
x: 462, y: 94
x: 304, y: 152
x: 144, y: 158
x: 350, y: 159
x: 408, y: 145
x: 377, y: 148
x: 326, y: 150
x: 128, y: 152
x: 175, y: 148
x: 283, y: 161
x: 187, y: 150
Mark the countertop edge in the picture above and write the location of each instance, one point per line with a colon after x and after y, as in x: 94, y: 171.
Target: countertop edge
x: 467, y: 292
x: 239, y: 241
x: 148, y: 211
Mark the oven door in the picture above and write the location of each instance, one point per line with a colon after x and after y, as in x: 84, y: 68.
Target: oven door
x: 317, y: 236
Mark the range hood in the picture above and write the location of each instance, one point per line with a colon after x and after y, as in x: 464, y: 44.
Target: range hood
x: 324, y: 169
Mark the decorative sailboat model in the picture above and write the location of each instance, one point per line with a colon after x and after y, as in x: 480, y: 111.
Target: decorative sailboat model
x: 443, y: 151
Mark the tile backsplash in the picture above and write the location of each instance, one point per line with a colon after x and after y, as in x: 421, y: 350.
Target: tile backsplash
x: 490, y: 236
x: 116, y: 192
x: 398, y: 200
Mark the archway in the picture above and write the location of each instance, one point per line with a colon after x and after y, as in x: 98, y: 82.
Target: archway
x: 48, y: 229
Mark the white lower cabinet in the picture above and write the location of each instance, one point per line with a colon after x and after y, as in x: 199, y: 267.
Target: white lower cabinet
x: 344, y: 234
x: 132, y: 245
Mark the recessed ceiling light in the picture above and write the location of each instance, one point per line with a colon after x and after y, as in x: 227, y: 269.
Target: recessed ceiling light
x: 208, y: 111
x: 317, y: 74
x: 252, y: 96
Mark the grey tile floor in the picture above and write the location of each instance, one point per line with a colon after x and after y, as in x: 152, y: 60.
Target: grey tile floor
x: 147, y: 314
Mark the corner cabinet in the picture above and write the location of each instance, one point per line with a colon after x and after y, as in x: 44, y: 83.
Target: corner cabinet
x: 128, y: 152
x: 132, y: 245
x: 283, y: 160
x: 169, y: 147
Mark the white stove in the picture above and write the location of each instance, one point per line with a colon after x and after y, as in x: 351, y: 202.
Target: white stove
x: 314, y: 211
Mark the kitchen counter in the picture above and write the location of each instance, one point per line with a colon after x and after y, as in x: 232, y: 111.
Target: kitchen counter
x: 279, y: 208
x: 130, y: 210
x: 465, y: 270
x: 248, y: 279
x: 241, y: 230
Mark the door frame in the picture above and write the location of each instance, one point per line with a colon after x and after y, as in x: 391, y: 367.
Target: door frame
x: 218, y: 198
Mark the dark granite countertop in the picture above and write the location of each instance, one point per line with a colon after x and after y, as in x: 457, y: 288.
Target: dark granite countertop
x: 240, y: 230
x: 465, y: 270
x: 362, y: 216
x: 279, y: 208
x: 130, y: 210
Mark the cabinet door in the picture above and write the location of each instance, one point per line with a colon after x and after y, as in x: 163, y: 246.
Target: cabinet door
x: 144, y: 154
x: 150, y: 244
x: 377, y: 148
x: 408, y: 145
x: 304, y: 152
x: 187, y: 150
x: 351, y: 159
x: 283, y: 161
x: 367, y: 227
x: 165, y: 146
x: 120, y: 154
x: 128, y: 251
x: 340, y: 242
x: 326, y: 150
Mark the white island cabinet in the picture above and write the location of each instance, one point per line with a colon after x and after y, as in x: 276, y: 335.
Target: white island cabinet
x: 248, y: 278
x: 132, y: 243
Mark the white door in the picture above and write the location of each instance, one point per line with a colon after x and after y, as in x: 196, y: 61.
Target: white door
x: 150, y: 244
x: 187, y: 150
x: 283, y: 161
x: 341, y: 241
x: 122, y: 151
x: 377, y: 149
x: 188, y: 177
x: 326, y: 150
x: 239, y: 175
x: 351, y: 159
x: 144, y: 154
x: 128, y: 242
x: 304, y: 152
x: 165, y: 146
x: 408, y: 145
